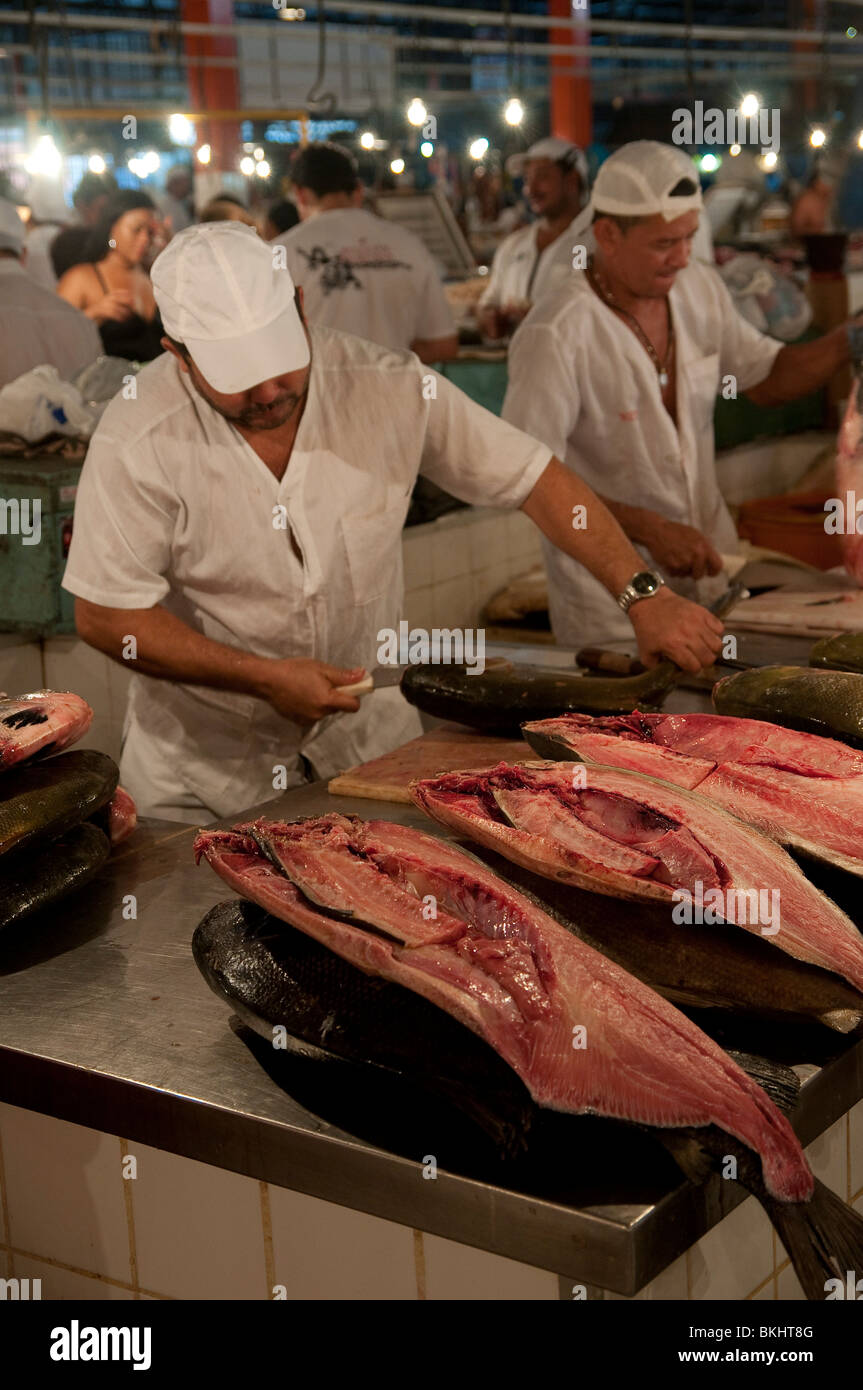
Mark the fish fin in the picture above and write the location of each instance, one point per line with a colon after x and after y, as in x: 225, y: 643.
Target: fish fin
x: 841, y: 1020
x: 780, y: 1082
x: 823, y: 1238
x: 691, y: 1157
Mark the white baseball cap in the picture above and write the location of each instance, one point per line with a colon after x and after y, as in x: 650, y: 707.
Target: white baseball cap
x: 552, y: 147
x: 221, y: 292
x: 12, y: 229
x: 636, y: 181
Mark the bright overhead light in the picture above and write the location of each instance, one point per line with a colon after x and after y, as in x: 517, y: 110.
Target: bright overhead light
x: 478, y: 148
x: 427, y: 149
x: 417, y: 113
x: 397, y: 166
x: 709, y: 163
x: 818, y: 138
x: 96, y: 164
x: 513, y: 112
x: 204, y: 154
x: 860, y: 141
x: 367, y: 140
x: 734, y: 151
x: 258, y: 154
x: 247, y: 165
x: 769, y: 160
x: 262, y: 169
x: 290, y: 13
x: 180, y: 129
x: 750, y: 105
x: 45, y: 159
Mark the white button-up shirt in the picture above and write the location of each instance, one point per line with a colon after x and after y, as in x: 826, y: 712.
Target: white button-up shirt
x: 519, y: 272
x: 580, y: 380
x: 175, y: 508
x: 38, y: 328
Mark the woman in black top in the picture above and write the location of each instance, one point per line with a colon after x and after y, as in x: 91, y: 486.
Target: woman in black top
x: 112, y: 286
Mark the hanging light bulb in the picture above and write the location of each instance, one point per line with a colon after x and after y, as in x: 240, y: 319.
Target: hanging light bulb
x: 513, y: 112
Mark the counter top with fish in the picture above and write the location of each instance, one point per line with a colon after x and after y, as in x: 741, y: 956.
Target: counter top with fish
x: 105, y: 1021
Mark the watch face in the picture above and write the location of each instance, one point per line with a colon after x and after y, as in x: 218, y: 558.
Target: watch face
x: 645, y: 584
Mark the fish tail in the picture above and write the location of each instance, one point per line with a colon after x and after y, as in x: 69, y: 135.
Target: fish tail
x: 823, y: 1238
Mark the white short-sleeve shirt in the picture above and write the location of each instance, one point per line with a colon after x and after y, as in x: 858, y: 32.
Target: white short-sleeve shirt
x: 580, y: 381
x: 175, y: 508
x: 364, y: 275
x: 519, y: 272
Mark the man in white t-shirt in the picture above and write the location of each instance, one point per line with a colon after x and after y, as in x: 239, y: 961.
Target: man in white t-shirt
x: 619, y: 372
x: 359, y: 272
x: 532, y: 260
x: 37, y: 327
x: 238, y: 528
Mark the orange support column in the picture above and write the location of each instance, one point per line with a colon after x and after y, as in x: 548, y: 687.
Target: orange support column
x: 213, y: 88
x: 571, y: 108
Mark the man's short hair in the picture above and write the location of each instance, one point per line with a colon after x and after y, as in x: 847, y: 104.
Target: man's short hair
x: 684, y: 188
x: 325, y: 168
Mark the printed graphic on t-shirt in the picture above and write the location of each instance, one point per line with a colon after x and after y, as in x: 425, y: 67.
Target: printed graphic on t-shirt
x: 338, y: 271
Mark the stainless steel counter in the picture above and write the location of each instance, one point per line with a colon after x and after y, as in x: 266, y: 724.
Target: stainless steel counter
x: 105, y: 1021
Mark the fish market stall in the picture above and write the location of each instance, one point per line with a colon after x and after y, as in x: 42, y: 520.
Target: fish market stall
x: 153, y: 1147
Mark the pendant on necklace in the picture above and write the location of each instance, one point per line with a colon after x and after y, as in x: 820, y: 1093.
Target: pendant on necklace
x: 663, y: 379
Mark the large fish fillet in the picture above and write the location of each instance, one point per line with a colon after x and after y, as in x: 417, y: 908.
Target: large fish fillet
x: 518, y: 809
x: 407, y: 907
x: 800, y: 789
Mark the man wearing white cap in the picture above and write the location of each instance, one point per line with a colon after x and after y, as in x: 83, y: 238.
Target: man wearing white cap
x: 238, y: 530
x: 37, y: 328
x: 618, y: 374
x: 530, y: 261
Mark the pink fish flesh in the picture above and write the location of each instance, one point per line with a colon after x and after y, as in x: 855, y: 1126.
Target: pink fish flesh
x: 122, y: 816
x: 800, y: 789
x: 45, y: 720
x: 506, y: 970
x: 684, y: 839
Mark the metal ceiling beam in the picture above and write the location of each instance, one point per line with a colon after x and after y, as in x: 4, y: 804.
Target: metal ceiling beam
x: 442, y: 15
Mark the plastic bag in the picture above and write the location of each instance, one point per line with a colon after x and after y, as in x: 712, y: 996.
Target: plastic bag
x: 41, y: 403
x: 767, y: 298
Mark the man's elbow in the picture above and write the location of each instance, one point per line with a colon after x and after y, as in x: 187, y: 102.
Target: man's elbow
x: 436, y: 349
x: 93, y: 624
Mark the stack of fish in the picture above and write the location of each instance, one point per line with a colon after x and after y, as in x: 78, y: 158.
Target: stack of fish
x: 70, y: 802
x: 583, y: 1035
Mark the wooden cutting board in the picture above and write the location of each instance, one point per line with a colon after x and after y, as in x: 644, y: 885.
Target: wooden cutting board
x: 441, y: 750
x: 812, y: 613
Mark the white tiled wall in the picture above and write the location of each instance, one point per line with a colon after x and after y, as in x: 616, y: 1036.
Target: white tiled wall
x: 185, y: 1230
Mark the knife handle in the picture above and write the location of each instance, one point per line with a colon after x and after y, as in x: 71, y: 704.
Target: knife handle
x: 613, y: 663
x: 359, y: 688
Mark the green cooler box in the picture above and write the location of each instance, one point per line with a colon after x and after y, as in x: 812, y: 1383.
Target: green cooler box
x: 37, y: 498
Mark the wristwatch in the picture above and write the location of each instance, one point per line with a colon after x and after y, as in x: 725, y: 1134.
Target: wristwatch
x: 642, y: 585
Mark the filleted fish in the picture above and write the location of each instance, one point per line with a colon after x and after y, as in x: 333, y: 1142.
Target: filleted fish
x: 415, y: 911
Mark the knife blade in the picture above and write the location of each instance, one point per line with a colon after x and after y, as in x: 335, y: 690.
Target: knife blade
x: 380, y: 677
